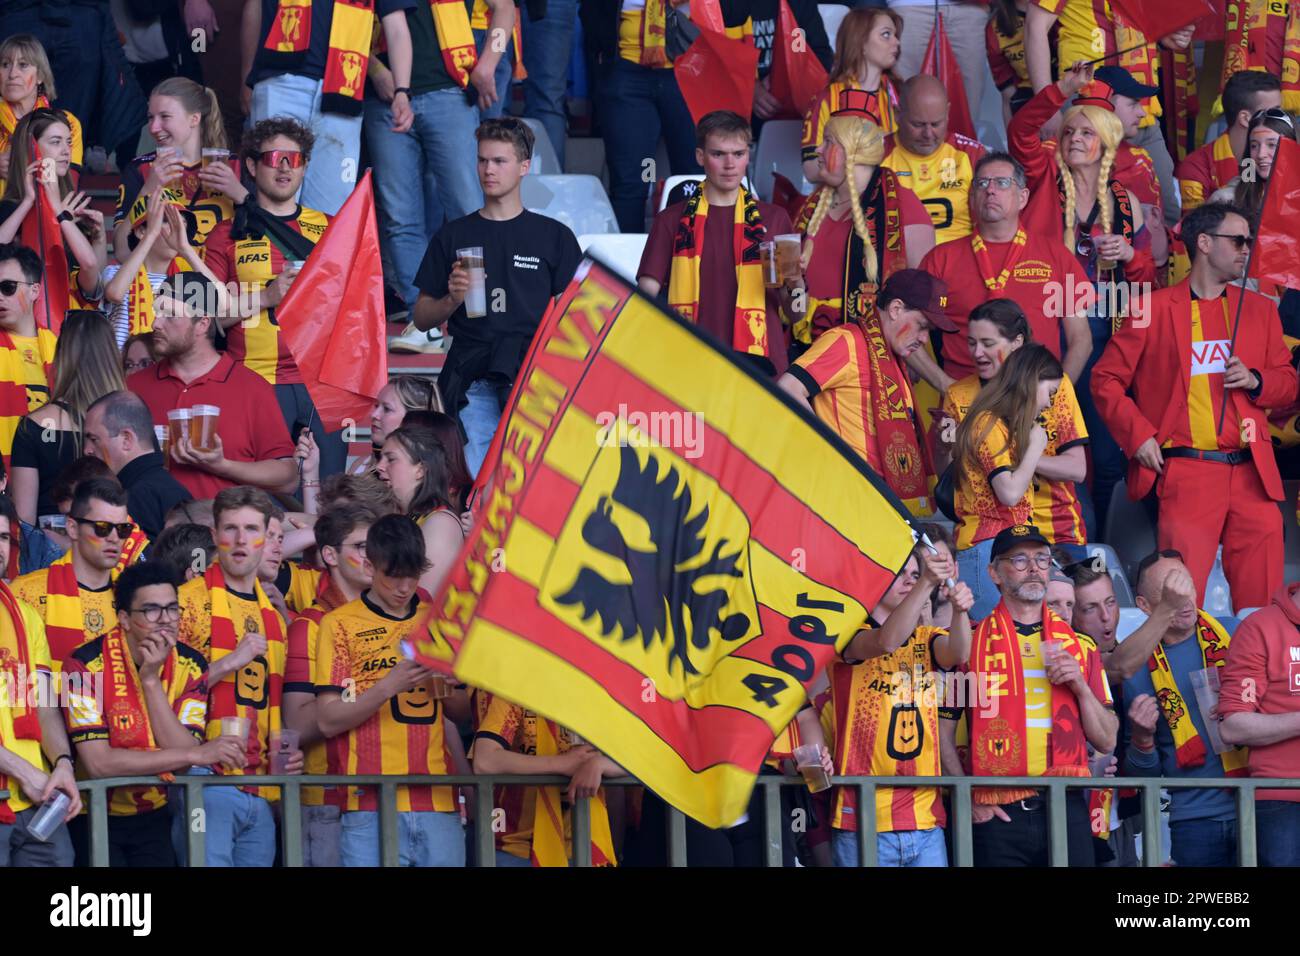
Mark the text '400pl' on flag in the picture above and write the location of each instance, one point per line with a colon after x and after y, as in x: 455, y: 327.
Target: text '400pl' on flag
x: 670, y: 605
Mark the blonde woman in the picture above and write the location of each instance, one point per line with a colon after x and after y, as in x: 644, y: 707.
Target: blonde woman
x: 87, y: 366
x: 866, y: 49
x: 27, y: 84
x: 856, y: 200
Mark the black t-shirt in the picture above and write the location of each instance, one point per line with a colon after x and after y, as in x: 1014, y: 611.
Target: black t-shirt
x: 528, y: 260
x: 49, y: 452
x: 322, y: 18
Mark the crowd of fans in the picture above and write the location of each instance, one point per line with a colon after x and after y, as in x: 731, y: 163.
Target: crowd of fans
x: 1008, y: 338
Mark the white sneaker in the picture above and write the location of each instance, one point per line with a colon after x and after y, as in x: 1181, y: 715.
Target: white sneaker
x: 413, y: 340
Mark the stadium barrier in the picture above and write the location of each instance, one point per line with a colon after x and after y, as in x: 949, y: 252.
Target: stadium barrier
x: 960, y: 789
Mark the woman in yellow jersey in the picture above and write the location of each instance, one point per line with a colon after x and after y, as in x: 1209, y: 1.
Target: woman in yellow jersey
x: 81, y: 228
x: 866, y: 49
x: 414, y: 465
x: 184, y: 120
x: 27, y: 84
x: 999, y: 445
x: 998, y: 328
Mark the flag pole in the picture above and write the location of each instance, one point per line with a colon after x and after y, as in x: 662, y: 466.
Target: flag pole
x: 40, y: 234
x: 1103, y: 59
x: 1236, y: 322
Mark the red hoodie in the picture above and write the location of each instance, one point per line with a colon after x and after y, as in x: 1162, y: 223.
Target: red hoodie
x: 1262, y: 676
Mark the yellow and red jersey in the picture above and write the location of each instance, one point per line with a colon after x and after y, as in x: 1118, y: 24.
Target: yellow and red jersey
x: 1206, y: 169
x: 299, y: 668
x: 186, y: 691
x: 980, y: 513
x: 883, y: 720
x: 357, y: 646
x: 37, y: 654
x: 942, y: 181
x: 882, y: 103
x: 98, y: 615
x: 253, y: 263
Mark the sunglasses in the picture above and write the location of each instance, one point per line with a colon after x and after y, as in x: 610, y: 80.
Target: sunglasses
x: 102, y: 528
x: 274, y: 157
x: 1241, y: 242
x: 1273, y: 113
x: 9, y: 286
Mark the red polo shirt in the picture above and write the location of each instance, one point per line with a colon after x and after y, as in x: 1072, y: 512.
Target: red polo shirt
x: 250, y: 424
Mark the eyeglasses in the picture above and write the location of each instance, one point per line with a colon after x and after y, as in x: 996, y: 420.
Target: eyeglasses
x: 129, y: 366
x: 102, y: 528
x: 1021, y: 561
x: 1002, y: 182
x: 153, y: 613
x: 274, y: 157
x: 1239, y: 241
x: 9, y: 286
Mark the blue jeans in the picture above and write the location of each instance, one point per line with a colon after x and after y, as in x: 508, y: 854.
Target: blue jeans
x: 547, y: 45
x: 438, y: 154
x: 1203, y: 842
x: 973, y: 569
x: 1108, y: 461
x: 423, y: 839
x: 480, y: 419
x: 637, y: 103
x: 898, y: 848
x: 510, y: 860
x: 1277, y: 832
x: 239, y: 827
x: 332, y: 171
x: 503, y: 76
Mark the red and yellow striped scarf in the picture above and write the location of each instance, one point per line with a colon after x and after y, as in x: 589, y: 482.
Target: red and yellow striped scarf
x: 348, y: 55
x: 455, y: 38
x: 132, y: 550
x: 1139, y: 59
x: 128, y: 715
x: 749, y: 323
x: 1249, y: 24
x: 654, y: 50
x: 548, y: 815
x: 9, y: 119
x: 13, y: 388
x: 16, y: 665
x: 1189, y: 749
x: 225, y: 638
x: 998, y: 741
x: 65, y: 622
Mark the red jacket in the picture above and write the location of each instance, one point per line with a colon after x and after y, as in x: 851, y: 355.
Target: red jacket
x: 1141, y: 381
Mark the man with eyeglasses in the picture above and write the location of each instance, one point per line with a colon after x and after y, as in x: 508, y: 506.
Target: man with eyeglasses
x: 148, y: 719
x: 1184, y: 390
x: 74, y: 595
x: 26, y: 352
x: 263, y: 248
x: 1001, y: 260
x: 1169, y: 733
x: 341, y: 541
x: 118, y: 430
x: 1042, y: 698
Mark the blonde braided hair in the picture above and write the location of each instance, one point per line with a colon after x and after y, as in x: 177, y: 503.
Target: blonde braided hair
x: 864, y: 145
x: 1110, y: 131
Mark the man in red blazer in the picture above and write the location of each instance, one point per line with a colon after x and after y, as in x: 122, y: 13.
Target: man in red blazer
x: 1161, y: 385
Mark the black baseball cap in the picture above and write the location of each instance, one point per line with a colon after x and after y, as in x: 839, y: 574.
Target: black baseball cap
x: 1122, y: 82
x: 1015, y: 536
x: 921, y: 291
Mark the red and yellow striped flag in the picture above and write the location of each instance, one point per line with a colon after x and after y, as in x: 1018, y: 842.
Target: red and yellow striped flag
x: 667, y: 551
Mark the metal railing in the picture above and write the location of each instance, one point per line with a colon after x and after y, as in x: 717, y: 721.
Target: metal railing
x: 960, y: 789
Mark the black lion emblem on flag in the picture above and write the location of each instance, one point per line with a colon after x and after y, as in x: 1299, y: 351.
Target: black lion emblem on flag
x: 665, y: 600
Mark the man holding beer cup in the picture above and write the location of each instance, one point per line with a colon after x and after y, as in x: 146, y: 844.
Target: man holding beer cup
x: 390, y: 709
x: 888, y: 689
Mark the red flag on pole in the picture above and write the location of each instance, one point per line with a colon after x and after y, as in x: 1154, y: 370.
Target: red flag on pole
x: 1277, y: 245
x: 333, y: 316
x: 707, y: 15
x: 40, y: 232
x: 1159, y: 18
x: 797, y: 75
x: 940, y: 62
x: 717, y: 73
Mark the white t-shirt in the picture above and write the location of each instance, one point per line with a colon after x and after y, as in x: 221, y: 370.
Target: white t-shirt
x: 117, y: 312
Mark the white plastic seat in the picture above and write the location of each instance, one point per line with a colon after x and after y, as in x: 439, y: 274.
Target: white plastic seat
x: 779, y: 150
x: 1123, y: 590
x: 577, y: 201
x: 832, y: 14
x: 672, y: 182
x: 546, y: 161
x: 620, y: 251
x: 1130, y: 619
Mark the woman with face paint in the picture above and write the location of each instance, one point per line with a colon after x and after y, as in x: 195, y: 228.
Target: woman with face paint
x: 997, y: 329
x: 27, y: 84
x: 1000, y: 444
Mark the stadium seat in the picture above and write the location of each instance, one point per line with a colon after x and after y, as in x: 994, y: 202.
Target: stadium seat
x: 1246, y: 612
x: 621, y: 252
x: 1123, y: 591
x: 1230, y: 624
x: 545, y: 160
x: 1128, y: 530
x: 577, y: 201
x: 1130, y: 619
x: 778, y: 151
x: 672, y: 184
x: 832, y: 14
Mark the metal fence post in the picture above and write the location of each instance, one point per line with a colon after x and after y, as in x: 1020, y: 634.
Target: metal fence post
x: 98, y: 824
x: 389, y: 849
x: 867, y: 843
x: 963, y: 845
x: 1058, y: 823
x: 196, y: 821
x: 1247, y: 847
x: 485, y: 843
x: 582, y: 832
x: 1152, y: 854
x: 291, y: 812
x: 676, y: 836
x: 773, y: 831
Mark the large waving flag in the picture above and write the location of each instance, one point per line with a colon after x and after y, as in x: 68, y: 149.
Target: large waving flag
x: 40, y: 231
x: 1277, y: 244
x: 333, y: 315
x: 1159, y: 18
x: 797, y: 75
x: 666, y: 553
